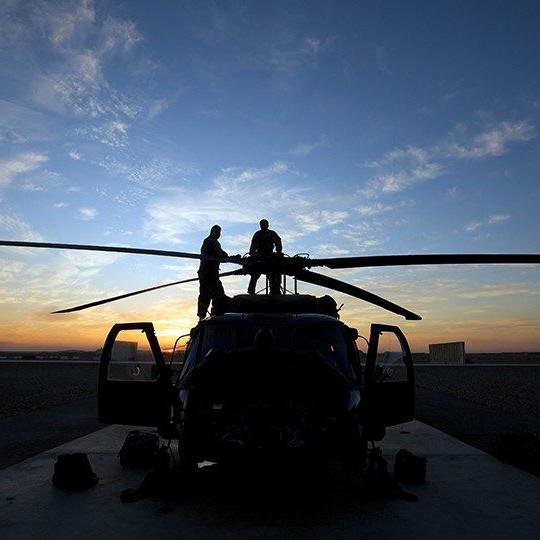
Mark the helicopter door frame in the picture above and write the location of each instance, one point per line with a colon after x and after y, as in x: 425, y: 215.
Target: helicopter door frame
x: 388, y: 403
x: 138, y: 403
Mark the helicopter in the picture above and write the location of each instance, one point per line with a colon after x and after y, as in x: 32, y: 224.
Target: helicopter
x: 266, y: 375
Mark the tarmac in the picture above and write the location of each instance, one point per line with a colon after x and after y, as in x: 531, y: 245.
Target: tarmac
x: 469, y: 494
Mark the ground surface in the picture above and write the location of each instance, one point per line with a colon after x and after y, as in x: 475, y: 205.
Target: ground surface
x: 515, y: 389
x: 468, y: 495
x: 31, y: 386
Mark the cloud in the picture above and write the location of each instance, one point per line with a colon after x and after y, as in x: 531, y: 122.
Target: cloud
x: 64, y: 25
x: 241, y: 196
x: 394, y: 182
x: 402, y: 168
x: 502, y: 289
x: 74, y: 154
x: 318, y: 219
x: 149, y: 174
x: 119, y: 35
x: 304, y: 149
x: 374, y: 209
x: 87, y: 214
x: 17, y: 228
x: 60, y: 205
x: 290, y: 52
x: 492, y: 142
x: 235, y: 195
x: 12, y: 137
x: 332, y: 250
x: 20, y: 164
x: 114, y: 133
x: 157, y: 106
x: 84, y: 45
x: 497, y: 218
x: 79, y: 86
x: 41, y: 181
x: 494, y: 219
x: 411, y: 153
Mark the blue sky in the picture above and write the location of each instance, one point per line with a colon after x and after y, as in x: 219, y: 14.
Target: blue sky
x: 355, y: 128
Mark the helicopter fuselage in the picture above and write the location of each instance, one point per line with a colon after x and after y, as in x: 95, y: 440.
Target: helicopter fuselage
x: 260, y: 383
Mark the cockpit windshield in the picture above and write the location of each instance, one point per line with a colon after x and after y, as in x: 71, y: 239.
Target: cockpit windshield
x: 328, y: 340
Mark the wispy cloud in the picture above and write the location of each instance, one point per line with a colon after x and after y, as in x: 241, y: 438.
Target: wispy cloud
x: 84, y: 44
x: 87, y: 213
x: 74, y: 154
x: 410, y: 153
x: 304, y: 149
x: 374, y: 209
x: 394, y: 182
x: 494, y: 219
x: 290, y: 52
x: 119, y: 35
x: 500, y: 289
x: 16, y: 227
x: 318, y: 219
x: 63, y: 25
x: 402, y: 168
x: 20, y: 164
x: 492, y: 142
x: 235, y: 195
x: 42, y: 180
x: 238, y: 196
x: 114, y: 133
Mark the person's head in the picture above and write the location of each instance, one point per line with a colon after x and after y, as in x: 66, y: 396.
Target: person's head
x: 215, y: 231
x: 264, y: 224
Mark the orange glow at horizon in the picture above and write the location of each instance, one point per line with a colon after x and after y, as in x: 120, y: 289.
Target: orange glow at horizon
x: 87, y: 331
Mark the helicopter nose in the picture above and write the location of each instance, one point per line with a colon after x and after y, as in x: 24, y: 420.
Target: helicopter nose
x: 265, y: 340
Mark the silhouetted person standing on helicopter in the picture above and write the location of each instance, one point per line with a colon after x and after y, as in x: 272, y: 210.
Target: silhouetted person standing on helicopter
x: 210, y: 286
x: 262, y: 247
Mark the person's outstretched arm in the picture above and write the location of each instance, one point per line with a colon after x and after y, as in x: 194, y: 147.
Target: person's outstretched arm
x: 277, y: 243
x: 253, y: 248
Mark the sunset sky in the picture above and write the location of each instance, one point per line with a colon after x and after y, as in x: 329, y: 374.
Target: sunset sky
x: 355, y: 128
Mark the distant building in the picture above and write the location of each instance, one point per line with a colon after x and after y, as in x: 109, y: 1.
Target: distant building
x: 447, y: 353
x: 124, y: 351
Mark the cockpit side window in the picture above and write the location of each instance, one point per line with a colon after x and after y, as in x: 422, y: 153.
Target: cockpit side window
x: 191, y: 354
x: 218, y: 337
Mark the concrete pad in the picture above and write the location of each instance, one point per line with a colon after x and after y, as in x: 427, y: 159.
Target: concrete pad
x: 469, y: 494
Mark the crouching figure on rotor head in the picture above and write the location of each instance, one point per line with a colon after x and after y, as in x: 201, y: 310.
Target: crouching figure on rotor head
x: 262, y: 247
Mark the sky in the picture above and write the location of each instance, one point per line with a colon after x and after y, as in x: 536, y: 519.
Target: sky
x: 355, y: 128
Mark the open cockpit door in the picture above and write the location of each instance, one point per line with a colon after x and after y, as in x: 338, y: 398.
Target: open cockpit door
x: 134, y: 381
x: 388, y: 393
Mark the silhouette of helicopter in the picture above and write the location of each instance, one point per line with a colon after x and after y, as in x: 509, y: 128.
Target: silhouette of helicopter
x: 266, y: 375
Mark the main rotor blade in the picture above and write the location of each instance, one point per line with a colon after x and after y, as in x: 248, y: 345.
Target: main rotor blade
x: 134, y: 293
x: 402, y: 260
x: 115, y: 249
x: 352, y: 290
